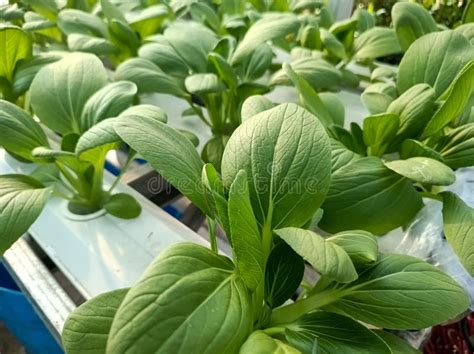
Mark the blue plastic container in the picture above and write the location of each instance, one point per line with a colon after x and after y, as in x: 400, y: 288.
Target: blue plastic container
x: 21, y: 319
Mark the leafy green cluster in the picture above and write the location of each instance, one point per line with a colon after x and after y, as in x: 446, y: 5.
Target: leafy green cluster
x: 194, y: 300
x: 289, y: 186
x: 69, y: 97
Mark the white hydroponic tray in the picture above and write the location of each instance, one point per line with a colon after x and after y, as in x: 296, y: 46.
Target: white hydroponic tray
x: 104, y: 253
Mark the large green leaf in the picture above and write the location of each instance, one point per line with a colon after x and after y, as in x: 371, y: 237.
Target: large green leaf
x: 148, y: 77
x: 340, y: 155
x: 415, y: 108
x: 168, y: 310
x: 414, y: 148
x: 423, y: 170
x: 107, y: 102
x: 271, y: 26
x: 411, y: 21
x: 326, y: 257
x: 19, y: 132
x: 436, y: 65
x: 467, y: 30
x: 286, y: 154
x: 86, y: 330
x: 283, y: 274
x: 60, y: 90
x: 379, y: 131
x: 169, y: 152
x: 334, y: 334
x: 456, y: 98
x: 457, y: 147
x: 367, y: 195
x: 90, y: 44
x: 22, y: 199
x: 15, y: 45
x: 360, y: 245
x: 260, y: 343
x: 245, y: 234
x: 332, y: 44
x: 389, y: 292
x: 458, y: 219
x: 375, y: 43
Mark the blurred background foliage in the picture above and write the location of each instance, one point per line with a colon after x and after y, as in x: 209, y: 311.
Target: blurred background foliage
x: 445, y: 12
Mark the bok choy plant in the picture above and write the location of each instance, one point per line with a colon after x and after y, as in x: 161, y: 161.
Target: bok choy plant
x: 409, y: 147
x: 68, y: 97
x: 214, y: 75
x: 276, y: 172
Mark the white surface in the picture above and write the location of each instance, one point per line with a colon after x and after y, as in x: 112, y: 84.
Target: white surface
x: 105, y: 253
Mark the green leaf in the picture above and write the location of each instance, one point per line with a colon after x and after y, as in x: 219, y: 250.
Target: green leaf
x: 458, y: 219
x: 423, y: 170
x: 258, y: 63
x: 334, y: 334
x: 166, y: 58
x: 457, y: 147
x: 365, y: 20
x: 378, y: 97
x: 367, y: 195
x: 395, y: 343
x: 205, y: 14
x: 309, y: 97
x: 254, y: 105
x: 269, y: 27
x: 414, y: 108
x: 288, y: 177
x: 27, y: 69
x: 334, y: 106
x: 468, y: 14
x: 381, y: 72
x: 317, y: 72
x: 326, y: 257
x: 332, y: 44
x: 193, y: 53
x: 375, y: 43
x: 72, y: 21
x: 19, y: 132
x: 360, y: 245
x: 340, y: 155
x: 414, y: 148
x: 107, y: 102
x: 86, y: 330
x: 111, y: 12
x: 245, y: 234
x: 467, y: 30
x: 60, y: 90
x: 457, y: 96
x: 148, y: 77
x: 15, y: 45
x: 22, y: 198
x: 379, y: 130
x: 223, y: 68
x: 48, y: 8
x: 123, y: 206
x: 436, y: 65
x: 201, y: 84
x: 379, y: 296
x: 260, y: 343
x: 283, y: 274
x: 411, y: 21
x: 165, y: 311
x: 213, y: 150
x: 149, y: 20
x: 170, y: 153
x: 90, y: 44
